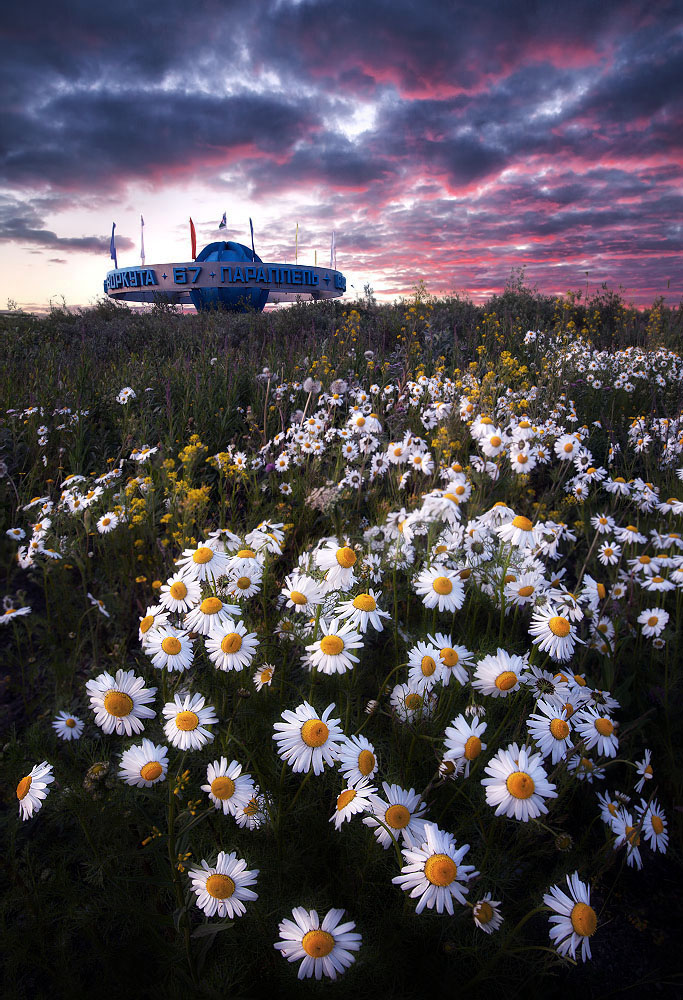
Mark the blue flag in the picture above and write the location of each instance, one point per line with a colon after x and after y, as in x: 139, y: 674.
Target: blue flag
x: 112, y: 246
x: 253, y: 252
x: 223, y: 223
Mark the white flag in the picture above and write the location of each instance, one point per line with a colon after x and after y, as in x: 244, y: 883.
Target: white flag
x: 142, y: 240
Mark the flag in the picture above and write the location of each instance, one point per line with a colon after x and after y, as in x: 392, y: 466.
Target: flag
x: 333, y: 253
x: 142, y: 240
x: 223, y: 223
x: 193, y: 239
x: 296, y: 244
x: 253, y: 252
x: 112, y: 246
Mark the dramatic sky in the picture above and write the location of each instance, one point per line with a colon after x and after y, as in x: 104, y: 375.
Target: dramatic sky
x: 445, y: 141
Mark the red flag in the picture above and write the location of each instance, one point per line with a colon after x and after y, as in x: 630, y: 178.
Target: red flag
x: 193, y: 237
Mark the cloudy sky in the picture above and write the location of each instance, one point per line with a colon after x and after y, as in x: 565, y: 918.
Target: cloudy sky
x: 445, y: 141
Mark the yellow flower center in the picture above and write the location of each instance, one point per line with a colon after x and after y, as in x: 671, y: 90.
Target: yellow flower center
x: 452, y: 497
x: 211, y: 606
x: 348, y: 795
x: 559, y: 626
x: 220, y: 886
x: 146, y: 623
x: 600, y: 587
x: 70, y: 723
x: 231, y: 642
x: 314, y: 733
x: 449, y: 656
x: 525, y: 591
x: 412, y: 701
x: 397, y: 817
x: 648, y: 770
x: 442, y: 585
x: 366, y: 762
x: 360, y: 421
x: 632, y: 836
x: 244, y: 583
x: 495, y: 441
x: 331, y: 645
x: 151, y: 770
x: 118, y: 703
x: 178, y: 590
x: 652, y: 620
x: 203, y: 555
x: 223, y: 787
x: 483, y: 911
x: 569, y: 447
x: 171, y: 645
x: 604, y: 727
x: 559, y: 729
x: 317, y: 944
x: 186, y: 721
x: 657, y: 824
x: 23, y: 787
x: 246, y: 554
x: 346, y: 557
x: 440, y: 869
x: 520, y: 785
x: 106, y: 521
x: 296, y: 597
x: 506, y: 680
x: 428, y: 666
x: 364, y: 602
x: 523, y: 523
x: 522, y: 458
x: 472, y: 748
x: 584, y: 919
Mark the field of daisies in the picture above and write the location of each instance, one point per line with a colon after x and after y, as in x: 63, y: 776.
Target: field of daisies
x: 341, y: 649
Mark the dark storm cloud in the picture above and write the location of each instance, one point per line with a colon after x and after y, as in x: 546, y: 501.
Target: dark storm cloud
x: 20, y: 223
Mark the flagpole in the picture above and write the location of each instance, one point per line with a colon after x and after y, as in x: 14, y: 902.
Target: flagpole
x: 142, y: 241
x: 296, y: 244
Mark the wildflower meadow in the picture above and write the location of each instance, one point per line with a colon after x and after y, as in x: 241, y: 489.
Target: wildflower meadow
x: 342, y: 649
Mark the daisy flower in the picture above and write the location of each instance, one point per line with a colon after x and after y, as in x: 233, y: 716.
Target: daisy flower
x: 356, y: 759
x: 245, y: 584
x: 307, y: 740
x: 628, y: 835
x: 518, y: 784
x: 524, y: 590
x: 180, y: 593
x: 499, y: 675
x: 584, y: 769
x: 550, y: 730
x: 144, y: 765
x: 363, y: 611
x: 170, y: 648
x: 609, y: 553
x: 107, y: 523
x: 644, y: 771
x: 519, y: 532
x: 434, y: 871
x: 227, y: 787
x: 424, y: 667
x: 596, y: 730
x: 203, y: 563
x: 354, y: 799
x: 400, y: 811
x: 337, y: 562
x: 302, y: 593
x: 574, y: 921
x: 411, y: 705
x: 325, y: 948
x: 263, y: 676
x: 222, y: 889
x: 120, y: 703
x: 253, y: 815
x: 463, y: 741
x: 487, y: 915
x: 331, y: 653
x: 186, y: 719
x: 653, y: 620
x: 154, y: 617
x: 654, y: 825
x: 455, y: 660
x: 440, y: 588
x: 67, y: 726
x: 553, y: 633
x: 209, y: 616
x: 231, y: 647
x: 32, y: 789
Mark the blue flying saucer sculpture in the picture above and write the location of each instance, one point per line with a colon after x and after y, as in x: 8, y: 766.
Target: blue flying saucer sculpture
x: 225, y: 275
